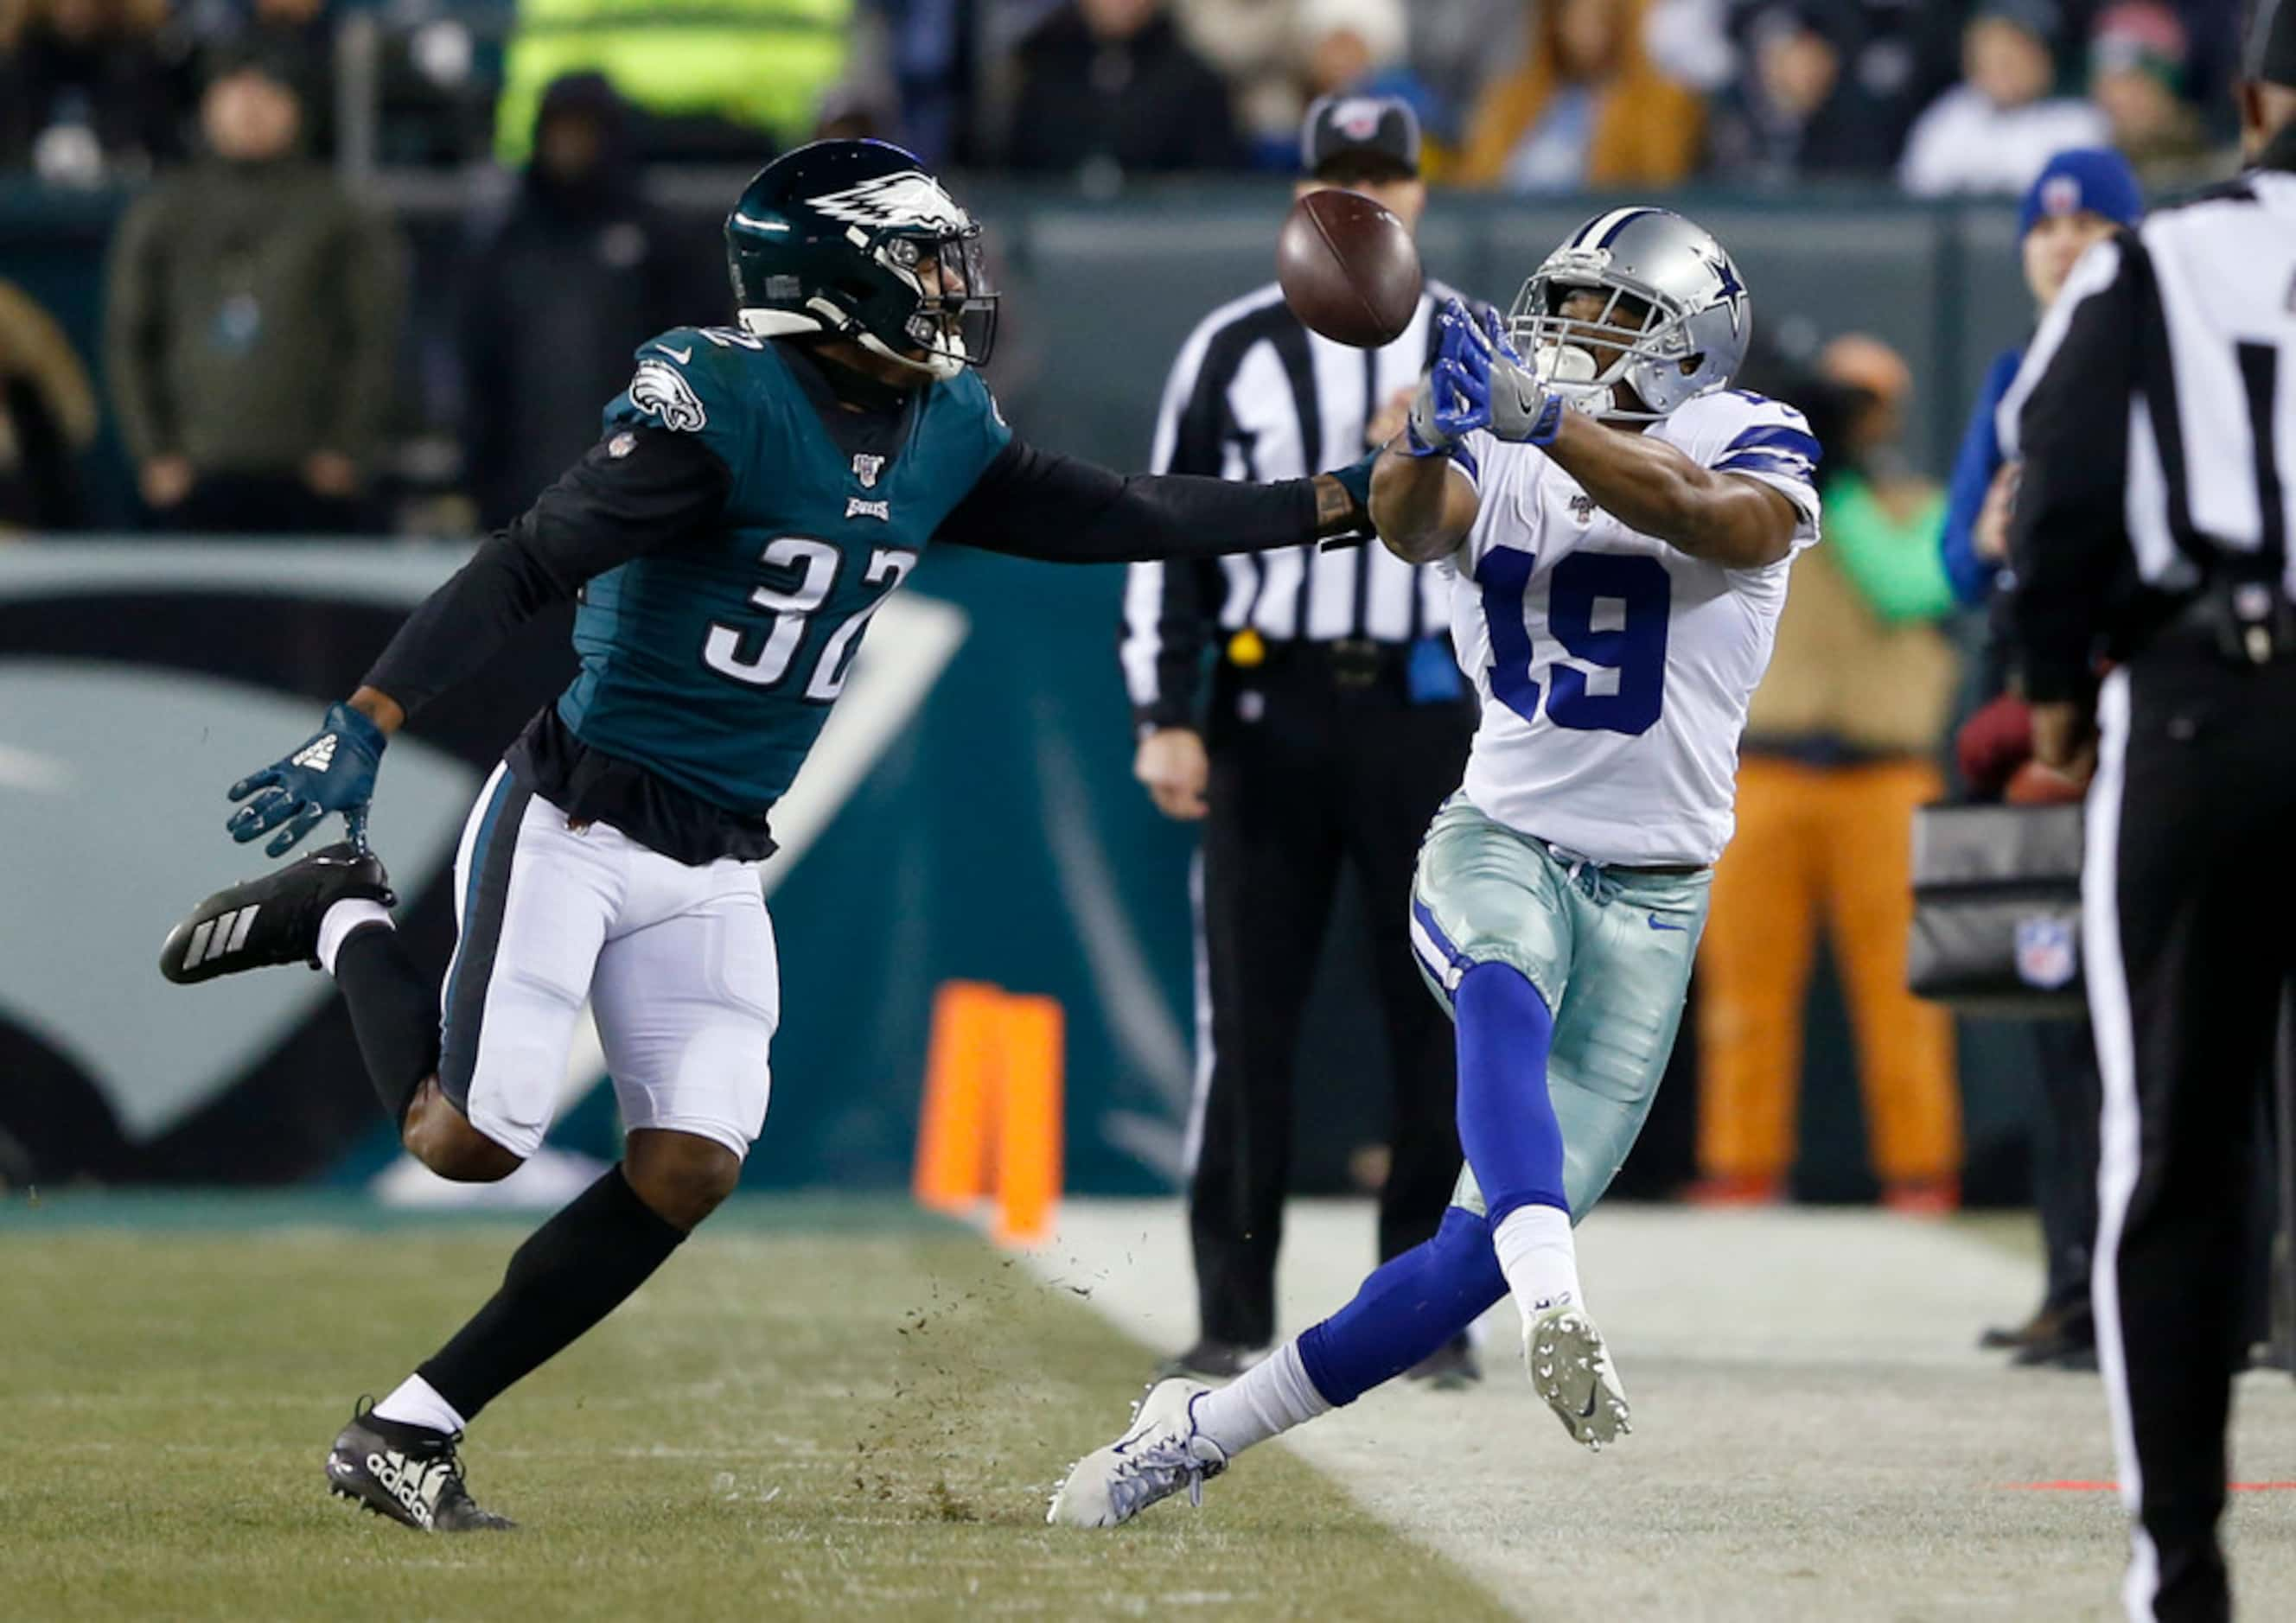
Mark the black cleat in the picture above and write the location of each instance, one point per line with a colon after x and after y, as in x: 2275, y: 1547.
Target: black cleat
x: 274, y: 918
x: 1212, y: 1360
x: 408, y: 1473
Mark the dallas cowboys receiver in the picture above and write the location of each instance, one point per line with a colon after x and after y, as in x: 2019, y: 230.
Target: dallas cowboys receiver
x: 1617, y: 525
x: 757, y: 492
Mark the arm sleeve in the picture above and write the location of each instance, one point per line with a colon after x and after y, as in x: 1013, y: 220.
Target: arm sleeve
x: 1168, y: 607
x: 2070, y: 400
x: 1032, y: 503
x: 1973, y: 467
x: 606, y: 510
x: 1892, y: 564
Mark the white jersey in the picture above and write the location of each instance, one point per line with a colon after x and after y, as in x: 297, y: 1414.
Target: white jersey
x: 1614, y: 670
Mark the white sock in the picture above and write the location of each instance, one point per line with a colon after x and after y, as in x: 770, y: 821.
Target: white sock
x: 1538, y: 1257
x: 417, y: 1403
x: 1272, y: 1397
x: 352, y: 913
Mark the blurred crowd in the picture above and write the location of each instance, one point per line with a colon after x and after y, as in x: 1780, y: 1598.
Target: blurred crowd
x: 1524, y: 96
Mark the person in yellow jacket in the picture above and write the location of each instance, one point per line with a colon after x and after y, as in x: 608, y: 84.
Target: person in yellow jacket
x: 1841, y: 742
x: 759, y: 65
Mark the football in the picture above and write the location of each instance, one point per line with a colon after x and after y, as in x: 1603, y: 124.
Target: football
x: 1348, y: 268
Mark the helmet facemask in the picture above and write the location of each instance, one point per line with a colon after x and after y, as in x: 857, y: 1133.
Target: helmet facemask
x: 955, y: 322
x: 1649, y: 357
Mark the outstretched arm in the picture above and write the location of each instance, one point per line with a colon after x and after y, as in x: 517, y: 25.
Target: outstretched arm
x: 1423, y: 506
x: 1728, y: 519
x: 1033, y: 504
x: 644, y: 489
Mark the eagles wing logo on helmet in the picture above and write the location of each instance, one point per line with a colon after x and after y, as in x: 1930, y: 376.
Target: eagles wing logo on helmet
x: 661, y: 390
x: 911, y: 198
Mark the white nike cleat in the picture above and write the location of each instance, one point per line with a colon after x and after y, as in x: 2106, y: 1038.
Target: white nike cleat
x: 1571, y: 1368
x: 1161, y: 1456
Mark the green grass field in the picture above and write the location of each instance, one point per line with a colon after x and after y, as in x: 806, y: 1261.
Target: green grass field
x: 816, y: 1410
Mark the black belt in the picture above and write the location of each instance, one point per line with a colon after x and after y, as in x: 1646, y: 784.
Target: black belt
x: 1350, y: 662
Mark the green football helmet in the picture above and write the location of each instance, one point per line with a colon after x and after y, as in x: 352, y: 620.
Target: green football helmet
x: 854, y: 238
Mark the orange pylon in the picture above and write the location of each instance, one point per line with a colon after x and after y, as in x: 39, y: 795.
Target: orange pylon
x: 991, y: 1125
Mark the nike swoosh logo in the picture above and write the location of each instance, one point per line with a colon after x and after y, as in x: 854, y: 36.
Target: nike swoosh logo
x: 683, y: 357
x: 1677, y: 929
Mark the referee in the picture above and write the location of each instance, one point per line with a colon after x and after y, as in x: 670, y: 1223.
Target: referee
x: 2151, y: 534
x: 1335, y: 725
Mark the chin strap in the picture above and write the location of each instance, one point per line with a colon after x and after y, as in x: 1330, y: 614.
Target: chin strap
x: 787, y: 324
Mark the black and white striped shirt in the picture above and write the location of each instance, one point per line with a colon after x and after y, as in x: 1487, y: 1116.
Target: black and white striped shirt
x: 2156, y: 417
x: 1255, y: 396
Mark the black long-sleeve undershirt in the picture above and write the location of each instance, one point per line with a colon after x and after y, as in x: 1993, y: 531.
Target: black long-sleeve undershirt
x: 1033, y: 504
x: 643, y: 490
x: 647, y: 490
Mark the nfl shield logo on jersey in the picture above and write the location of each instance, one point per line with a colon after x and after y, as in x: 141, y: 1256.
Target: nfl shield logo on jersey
x: 866, y: 468
x: 2045, y: 957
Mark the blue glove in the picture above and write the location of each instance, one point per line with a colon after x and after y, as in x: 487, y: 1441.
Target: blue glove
x: 332, y: 771
x: 1454, y: 398
x: 1517, y: 407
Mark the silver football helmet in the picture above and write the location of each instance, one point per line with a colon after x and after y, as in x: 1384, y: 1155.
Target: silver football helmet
x: 1695, y: 319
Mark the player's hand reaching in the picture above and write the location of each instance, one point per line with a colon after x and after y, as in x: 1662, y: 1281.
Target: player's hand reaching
x: 1519, y: 406
x: 1454, y: 398
x: 332, y: 771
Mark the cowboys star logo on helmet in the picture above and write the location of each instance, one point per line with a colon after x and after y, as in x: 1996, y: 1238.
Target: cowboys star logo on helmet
x: 911, y: 198
x: 661, y: 390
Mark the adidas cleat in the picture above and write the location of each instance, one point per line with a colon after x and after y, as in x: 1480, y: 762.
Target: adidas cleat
x: 1571, y: 1368
x: 411, y: 1474
x: 274, y: 918
x: 1163, y: 1454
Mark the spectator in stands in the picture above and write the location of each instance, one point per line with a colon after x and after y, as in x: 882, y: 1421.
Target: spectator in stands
x: 2077, y: 200
x: 1839, y: 750
x: 2138, y: 57
x: 724, y: 82
x: 47, y: 419
x: 577, y: 274
x: 1453, y: 56
x: 1108, y: 88
x: 1250, y: 44
x: 1586, y: 109
x: 300, y: 34
x: 251, y: 325
x: 84, y: 91
x: 1815, y: 89
x: 1994, y: 130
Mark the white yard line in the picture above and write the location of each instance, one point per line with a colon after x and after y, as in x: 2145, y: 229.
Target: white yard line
x: 1816, y: 1435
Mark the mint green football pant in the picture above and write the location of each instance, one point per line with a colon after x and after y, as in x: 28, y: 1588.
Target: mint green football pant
x: 1610, y: 952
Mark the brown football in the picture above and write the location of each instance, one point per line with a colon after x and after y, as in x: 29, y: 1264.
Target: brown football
x: 1348, y: 268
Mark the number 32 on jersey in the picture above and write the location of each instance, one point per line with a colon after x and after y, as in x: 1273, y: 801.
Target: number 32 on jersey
x: 1633, y: 643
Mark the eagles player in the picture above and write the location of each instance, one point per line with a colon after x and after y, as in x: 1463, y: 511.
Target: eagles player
x: 1617, y: 525
x: 757, y: 491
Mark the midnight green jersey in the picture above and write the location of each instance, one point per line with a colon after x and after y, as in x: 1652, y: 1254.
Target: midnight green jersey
x: 713, y: 663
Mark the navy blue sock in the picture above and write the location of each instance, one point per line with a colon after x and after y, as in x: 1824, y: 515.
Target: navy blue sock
x: 1506, y: 1118
x: 1410, y: 1306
